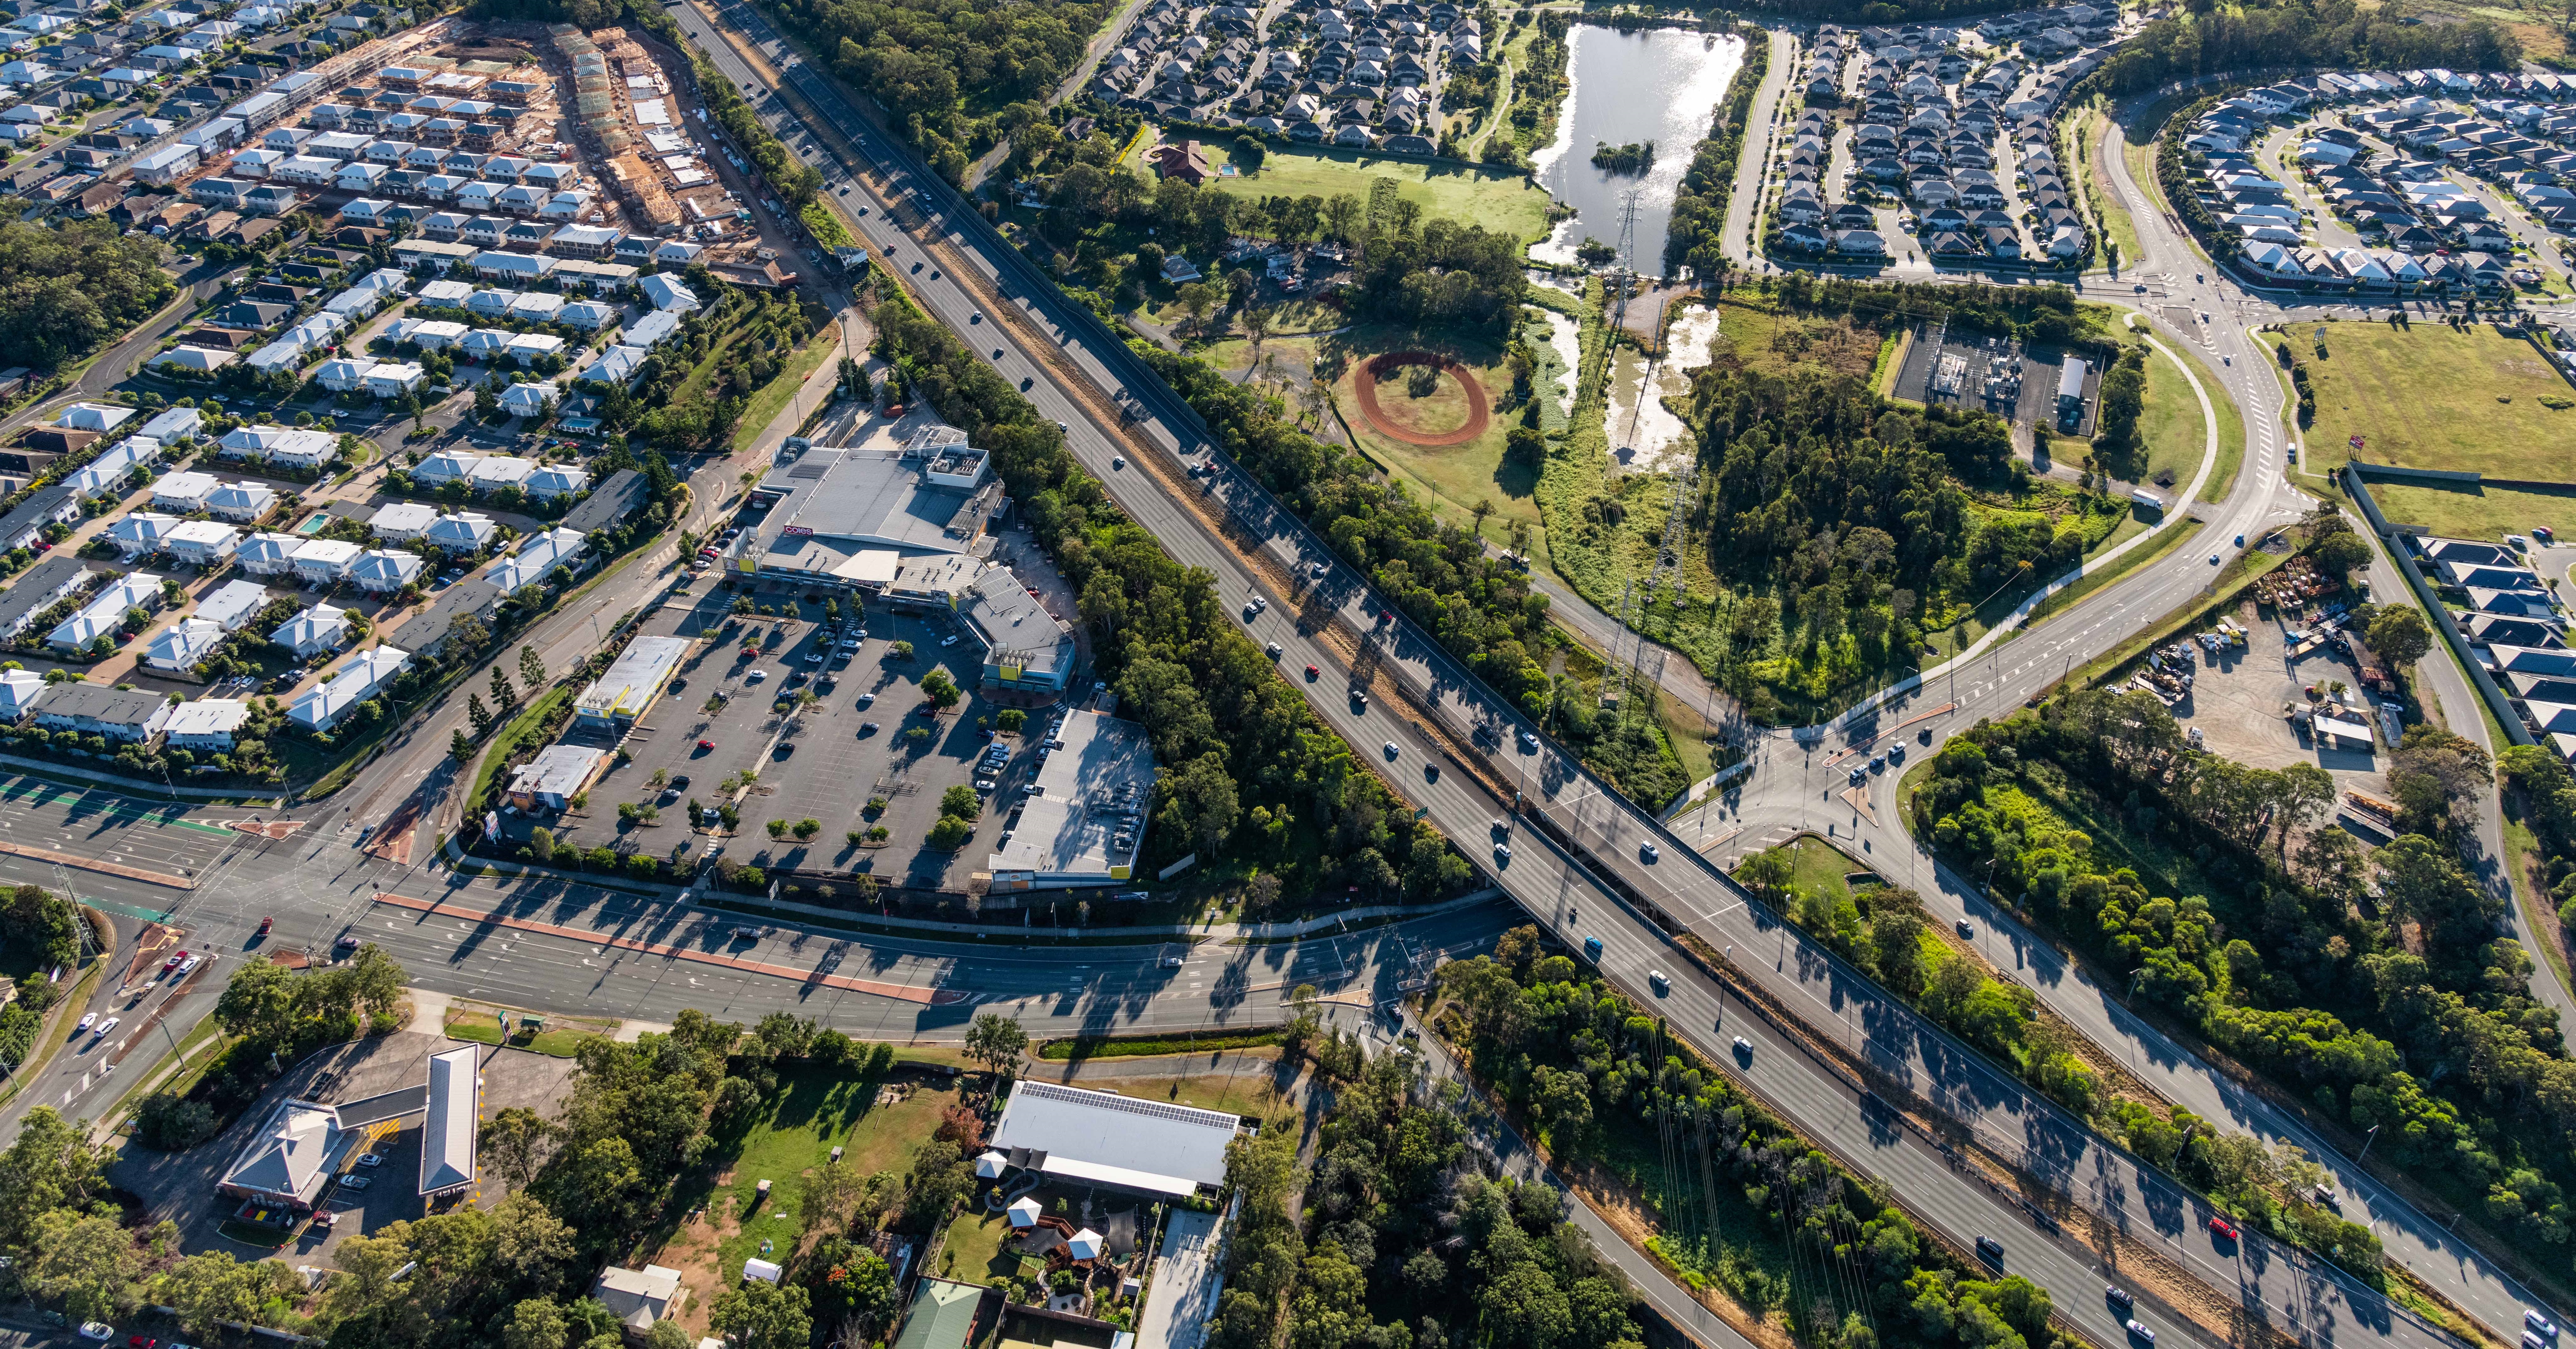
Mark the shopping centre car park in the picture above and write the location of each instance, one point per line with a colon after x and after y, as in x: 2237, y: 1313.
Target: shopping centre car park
x: 822, y: 763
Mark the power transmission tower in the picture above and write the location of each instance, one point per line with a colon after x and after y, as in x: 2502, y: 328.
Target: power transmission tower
x: 1627, y: 255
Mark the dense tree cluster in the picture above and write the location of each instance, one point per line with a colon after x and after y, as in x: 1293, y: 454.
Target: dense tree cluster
x: 2374, y: 985
x: 39, y: 934
x: 65, y: 289
x: 756, y: 335
x: 1436, y: 273
x: 1447, y: 275
x: 2124, y: 396
x: 1695, y: 239
x: 1250, y: 773
x: 2548, y: 798
x: 589, y: 1184
x: 2333, y: 34
x: 2041, y: 314
x: 1482, y: 610
x: 1404, y: 1243
x: 941, y: 70
x: 1604, y: 1079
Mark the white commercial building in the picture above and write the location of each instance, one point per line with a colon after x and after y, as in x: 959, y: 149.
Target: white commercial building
x: 1118, y: 1142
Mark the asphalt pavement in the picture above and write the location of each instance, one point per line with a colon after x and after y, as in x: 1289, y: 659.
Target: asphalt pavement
x: 323, y: 885
x: 2276, y: 1284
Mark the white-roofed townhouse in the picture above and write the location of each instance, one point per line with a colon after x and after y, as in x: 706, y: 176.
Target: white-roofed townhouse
x: 280, y: 445
x: 318, y: 630
x: 177, y: 648
x: 204, y: 544
x: 536, y: 306
x: 141, y: 534
x: 652, y: 330
x: 368, y: 673
x: 205, y: 723
x: 667, y: 294
x: 529, y: 348
x: 174, y: 425
x: 462, y: 534
x: 495, y: 471
x: 588, y: 315
x: 324, y: 562
x: 243, y: 503
x: 344, y: 376
x: 619, y: 365
x: 402, y: 521
x: 385, y: 570
x: 530, y: 400
x: 395, y: 380
x: 233, y: 604
x: 444, y: 467
x: 268, y: 554
x: 557, y: 480
x: 183, y: 492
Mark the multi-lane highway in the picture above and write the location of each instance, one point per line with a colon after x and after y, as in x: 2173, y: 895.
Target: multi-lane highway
x: 1327, y: 603
x: 557, y: 946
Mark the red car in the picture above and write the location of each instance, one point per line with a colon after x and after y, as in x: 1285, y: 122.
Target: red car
x: 706, y: 744
x: 1313, y: 674
x: 2221, y: 1227
x: 173, y: 962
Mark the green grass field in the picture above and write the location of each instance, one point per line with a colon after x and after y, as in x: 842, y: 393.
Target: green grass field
x: 1752, y: 334
x: 973, y: 1253
x: 813, y: 1111
x: 1492, y: 198
x: 2479, y: 512
x: 2115, y: 217
x: 2171, y: 426
x: 2435, y: 398
x: 1819, y: 868
x: 772, y: 399
x: 561, y: 1039
x: 1453, y: 478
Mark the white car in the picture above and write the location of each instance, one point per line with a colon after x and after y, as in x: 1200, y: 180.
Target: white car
x: 355, y: 1182
x: 1742, y: 1045
x: 1171, y: 962
x: 949, y: 640
x: 191, y: 963
x: 108, y: 1025
x: 85, y: 1023
x: 1391, y: 750
x: 755, y: 676
x: 372, y: 1159
x: 98, y: 1331
x: 813, y: 657
x: 2143, y: 1334
x: 1661, y: 984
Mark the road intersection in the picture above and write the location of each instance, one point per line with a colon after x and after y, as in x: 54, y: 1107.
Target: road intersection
x: 563, y: 945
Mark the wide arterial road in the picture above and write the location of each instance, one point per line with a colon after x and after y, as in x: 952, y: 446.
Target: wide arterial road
x: 1312, y: 619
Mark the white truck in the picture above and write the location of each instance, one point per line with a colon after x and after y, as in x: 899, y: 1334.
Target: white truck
x: 2147, y: 500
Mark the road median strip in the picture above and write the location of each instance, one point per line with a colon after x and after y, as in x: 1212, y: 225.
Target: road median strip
x: 930, y: 997
x: 94, y: 864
